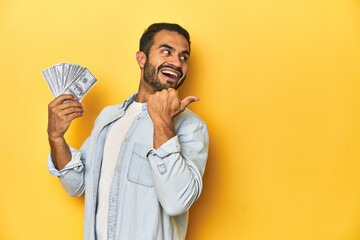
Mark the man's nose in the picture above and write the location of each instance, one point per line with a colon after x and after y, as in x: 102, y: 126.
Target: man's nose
x: 175, y: 61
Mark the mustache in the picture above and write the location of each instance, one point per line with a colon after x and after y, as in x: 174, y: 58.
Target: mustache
x: 165, y: 65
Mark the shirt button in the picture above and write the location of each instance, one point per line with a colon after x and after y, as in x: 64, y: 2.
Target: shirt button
x: 112, y: 229
x: 138, y: 118
x: 112, y: 200
x: 125, y: 140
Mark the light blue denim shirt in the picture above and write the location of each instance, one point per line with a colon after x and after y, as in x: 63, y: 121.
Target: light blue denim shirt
x: 152, y: 190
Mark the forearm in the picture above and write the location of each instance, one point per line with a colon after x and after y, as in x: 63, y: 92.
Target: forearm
x: 60, y: 152
x: 62, y: 110
x: 163, y: 131
x: 177, y: 173
x: 178, y: 187
x: 70, y: 173
x: 178, y: 166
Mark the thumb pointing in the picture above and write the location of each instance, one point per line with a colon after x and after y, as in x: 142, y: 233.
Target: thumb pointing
x: 186, y: 101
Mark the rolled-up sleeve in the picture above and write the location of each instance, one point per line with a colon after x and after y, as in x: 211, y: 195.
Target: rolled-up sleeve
x: 75, y: 163
x: 178, y: 166
x: 72, y: 176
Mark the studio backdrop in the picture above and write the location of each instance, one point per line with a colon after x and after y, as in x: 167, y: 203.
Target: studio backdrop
x: 279, y: 88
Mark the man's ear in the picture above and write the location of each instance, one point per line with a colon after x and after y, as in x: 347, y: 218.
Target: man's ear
x: 141, y: 59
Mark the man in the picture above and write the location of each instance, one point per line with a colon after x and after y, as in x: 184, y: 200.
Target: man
x: 141, y: 169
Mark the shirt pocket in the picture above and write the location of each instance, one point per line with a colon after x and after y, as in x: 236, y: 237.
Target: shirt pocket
x: 140, y: 171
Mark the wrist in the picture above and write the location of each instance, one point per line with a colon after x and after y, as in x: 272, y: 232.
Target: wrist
x: 55, y: 139
x: 162, y: 122
x: 163, y: 131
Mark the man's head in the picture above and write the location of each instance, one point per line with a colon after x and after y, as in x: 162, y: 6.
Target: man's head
x: 163, y: 55
x: 147, y: 39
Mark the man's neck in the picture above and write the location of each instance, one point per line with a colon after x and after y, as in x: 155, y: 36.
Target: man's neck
x: 144, y: 92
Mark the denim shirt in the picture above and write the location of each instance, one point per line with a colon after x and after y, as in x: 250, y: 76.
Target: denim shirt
x: 152, y: 190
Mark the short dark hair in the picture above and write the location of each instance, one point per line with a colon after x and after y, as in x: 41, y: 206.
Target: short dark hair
x: 147, y: 39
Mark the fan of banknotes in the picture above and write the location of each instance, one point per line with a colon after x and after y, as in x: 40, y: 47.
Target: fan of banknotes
x: 68, y: 78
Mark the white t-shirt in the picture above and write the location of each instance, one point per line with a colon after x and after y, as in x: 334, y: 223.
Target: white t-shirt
x: 111, y: 152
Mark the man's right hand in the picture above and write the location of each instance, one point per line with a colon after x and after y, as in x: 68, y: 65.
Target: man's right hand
x: 61, y: 114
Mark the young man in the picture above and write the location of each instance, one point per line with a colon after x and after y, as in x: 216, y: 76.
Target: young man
x: 141, y: 169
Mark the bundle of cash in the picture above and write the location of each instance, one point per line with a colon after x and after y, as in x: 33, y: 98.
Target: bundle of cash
x: 68, y: 78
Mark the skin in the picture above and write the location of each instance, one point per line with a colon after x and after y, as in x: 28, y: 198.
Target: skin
x: 60, y: 116
x: 169, y: 49
x: 164, y: 105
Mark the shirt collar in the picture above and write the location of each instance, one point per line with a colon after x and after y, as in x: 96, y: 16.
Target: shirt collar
x: 131, y: 99
x: 128, y: 101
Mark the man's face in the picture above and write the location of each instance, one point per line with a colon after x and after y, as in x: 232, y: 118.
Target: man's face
x: 166, y: 65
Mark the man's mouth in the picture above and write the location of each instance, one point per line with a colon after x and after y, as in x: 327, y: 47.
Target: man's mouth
x: 171, y: 73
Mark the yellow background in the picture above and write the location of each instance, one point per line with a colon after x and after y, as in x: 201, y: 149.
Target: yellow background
x: 279, y: 88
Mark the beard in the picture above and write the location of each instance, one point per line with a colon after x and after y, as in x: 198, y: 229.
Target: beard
x: 151, y: 77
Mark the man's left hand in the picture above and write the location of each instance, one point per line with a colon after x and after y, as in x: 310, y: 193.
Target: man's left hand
x: 163, y: 107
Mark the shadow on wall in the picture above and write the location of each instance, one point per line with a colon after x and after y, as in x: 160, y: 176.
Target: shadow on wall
x: 204, y: 207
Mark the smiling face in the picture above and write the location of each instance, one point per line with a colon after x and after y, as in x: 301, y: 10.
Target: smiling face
x: 166, y: 65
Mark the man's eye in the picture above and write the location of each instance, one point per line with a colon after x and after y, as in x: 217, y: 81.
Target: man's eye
x: 184, y: 58
x: 166, y: 51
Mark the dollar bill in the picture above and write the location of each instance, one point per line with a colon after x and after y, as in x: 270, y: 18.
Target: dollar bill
x: 83, y: 83
x: 68, y: 78
x: 47, y: 77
